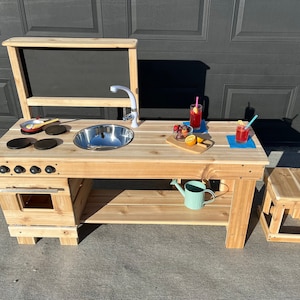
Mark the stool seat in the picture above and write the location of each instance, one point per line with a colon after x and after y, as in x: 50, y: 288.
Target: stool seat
x: 282, y: 198
x: 285, y: 183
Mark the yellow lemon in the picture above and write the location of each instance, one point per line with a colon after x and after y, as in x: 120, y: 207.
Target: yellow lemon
x: 240, y: 122
x: 199, y: 140
x: 191, y: 140
x: 195, y: 110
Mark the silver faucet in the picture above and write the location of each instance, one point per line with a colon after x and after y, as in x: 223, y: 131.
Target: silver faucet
x: 133, y: 115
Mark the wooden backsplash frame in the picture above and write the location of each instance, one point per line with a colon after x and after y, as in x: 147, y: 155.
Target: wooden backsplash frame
x: 27, y: 101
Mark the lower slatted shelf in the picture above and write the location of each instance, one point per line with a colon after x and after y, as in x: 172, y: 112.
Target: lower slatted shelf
x: 152, y: 207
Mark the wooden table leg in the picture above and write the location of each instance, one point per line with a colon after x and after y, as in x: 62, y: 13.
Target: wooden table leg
x: 26, y: 240
x: 240, y: 213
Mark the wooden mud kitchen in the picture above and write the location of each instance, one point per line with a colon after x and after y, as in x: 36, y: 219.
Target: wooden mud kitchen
x: 49, y: 192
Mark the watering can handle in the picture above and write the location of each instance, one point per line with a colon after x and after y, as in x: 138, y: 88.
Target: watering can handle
x: 213, y: 196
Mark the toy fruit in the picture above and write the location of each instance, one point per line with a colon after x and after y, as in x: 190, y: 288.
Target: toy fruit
x: 184, y: 131
x: 180, y: 132
x: 191, y: 140
x: 199, y: 140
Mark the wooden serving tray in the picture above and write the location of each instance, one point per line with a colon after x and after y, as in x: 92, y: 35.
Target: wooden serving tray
x: 198, y: 148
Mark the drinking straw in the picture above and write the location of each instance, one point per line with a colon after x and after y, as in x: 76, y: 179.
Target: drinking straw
x: 249, y: 124
x: 197, y: 98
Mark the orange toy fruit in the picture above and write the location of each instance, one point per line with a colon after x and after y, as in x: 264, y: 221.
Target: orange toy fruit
x: 191, y: 140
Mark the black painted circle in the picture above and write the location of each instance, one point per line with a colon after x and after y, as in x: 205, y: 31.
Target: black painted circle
x: 18, y: 143
x: 56, y: 129
x: 45, y: 144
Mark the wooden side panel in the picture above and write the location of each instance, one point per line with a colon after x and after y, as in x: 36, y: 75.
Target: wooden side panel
x: 9, y: 202
x: 39, y: 217
x: 75, y: 185
x: 81, y: 199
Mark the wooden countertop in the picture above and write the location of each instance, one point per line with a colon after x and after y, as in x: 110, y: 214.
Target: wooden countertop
x: 147, y: 156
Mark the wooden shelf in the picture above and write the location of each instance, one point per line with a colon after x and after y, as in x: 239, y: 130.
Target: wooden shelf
x: 152, y: 207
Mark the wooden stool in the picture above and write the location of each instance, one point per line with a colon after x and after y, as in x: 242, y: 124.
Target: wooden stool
x: 281, y: 199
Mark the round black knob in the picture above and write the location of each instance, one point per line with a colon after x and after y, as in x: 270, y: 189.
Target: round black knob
x: 35, y: 170
x: 4, y: 169
x: 50, y: 169
x: 19, y: 169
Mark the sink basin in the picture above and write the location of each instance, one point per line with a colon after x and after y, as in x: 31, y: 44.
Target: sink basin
x: 103, y: 137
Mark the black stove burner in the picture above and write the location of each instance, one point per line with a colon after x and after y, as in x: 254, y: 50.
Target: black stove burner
x: 45, y: 144
x: 56, y: 129
x: 19, y: 143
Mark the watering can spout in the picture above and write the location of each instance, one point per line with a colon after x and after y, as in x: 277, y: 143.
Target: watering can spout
x: 179, y: 188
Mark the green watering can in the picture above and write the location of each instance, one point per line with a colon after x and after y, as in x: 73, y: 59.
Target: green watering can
x: 194, y: 194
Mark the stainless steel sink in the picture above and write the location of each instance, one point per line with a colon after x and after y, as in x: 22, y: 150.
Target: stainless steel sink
x: 103, y: 137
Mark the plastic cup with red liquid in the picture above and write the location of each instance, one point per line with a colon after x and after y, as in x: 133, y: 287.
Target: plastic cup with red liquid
x: 195, y: 115
x: 242, y: 134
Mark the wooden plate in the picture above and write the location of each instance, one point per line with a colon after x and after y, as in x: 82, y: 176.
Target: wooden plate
x: 198, y: 148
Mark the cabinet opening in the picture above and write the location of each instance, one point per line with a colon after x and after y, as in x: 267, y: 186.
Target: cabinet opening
x: 35, y: 201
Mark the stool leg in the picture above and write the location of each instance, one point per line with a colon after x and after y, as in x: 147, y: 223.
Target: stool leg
x: 277, y: 216
x: 296, y: 211
x: 68, y: 241
x: 266, y: 205
x: 26, y: 240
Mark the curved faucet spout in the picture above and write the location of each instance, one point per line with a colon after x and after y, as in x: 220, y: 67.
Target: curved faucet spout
x: 134, y: 114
